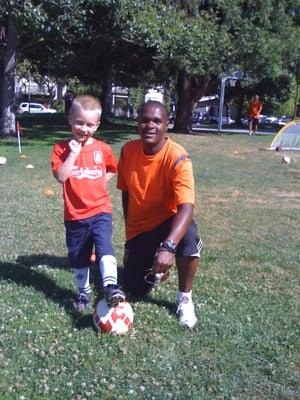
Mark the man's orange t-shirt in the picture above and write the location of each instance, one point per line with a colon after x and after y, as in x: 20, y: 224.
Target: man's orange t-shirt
x: 156, y: 184
x: 85, y: 192
x: 255, y: 108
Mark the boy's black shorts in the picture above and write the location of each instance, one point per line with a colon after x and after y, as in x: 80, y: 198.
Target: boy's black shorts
x: 82, y: 235
x: 140, y: 253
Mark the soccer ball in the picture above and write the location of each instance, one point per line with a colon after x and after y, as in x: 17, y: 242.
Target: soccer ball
x: 113, y: 319
x: 3, y: 160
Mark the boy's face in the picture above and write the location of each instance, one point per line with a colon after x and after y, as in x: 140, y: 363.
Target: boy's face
x: 84, y: 124
x: 153, y: 123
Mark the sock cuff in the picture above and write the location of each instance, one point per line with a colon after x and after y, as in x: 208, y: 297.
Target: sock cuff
x: 184, y: 294
x: 108, y: 270
x: 108, y: 259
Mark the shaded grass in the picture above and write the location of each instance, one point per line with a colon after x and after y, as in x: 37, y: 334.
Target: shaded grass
x: 246, y: 345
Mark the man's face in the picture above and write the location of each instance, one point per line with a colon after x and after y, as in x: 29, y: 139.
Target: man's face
x: 153, y: 123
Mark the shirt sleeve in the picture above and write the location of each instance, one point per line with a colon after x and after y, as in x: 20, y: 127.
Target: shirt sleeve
x: 183, y: 181
x: 111, y: 161
x: 58, y: 156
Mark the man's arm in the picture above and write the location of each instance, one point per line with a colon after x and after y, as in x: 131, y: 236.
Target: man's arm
x: 125, y: 198
x: 179, y: 227
x: 181, y: 222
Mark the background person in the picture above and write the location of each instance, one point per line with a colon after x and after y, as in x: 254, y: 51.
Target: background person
x: 254, y: 110
x: 157, y: 183
x: 84, y: 165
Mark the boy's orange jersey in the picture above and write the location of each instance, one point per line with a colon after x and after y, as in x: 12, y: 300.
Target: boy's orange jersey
x: 85, y: 192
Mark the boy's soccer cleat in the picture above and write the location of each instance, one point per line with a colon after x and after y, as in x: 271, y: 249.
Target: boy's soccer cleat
x: 186, y: 312
x: 114, y: 294
x: 82, y: 302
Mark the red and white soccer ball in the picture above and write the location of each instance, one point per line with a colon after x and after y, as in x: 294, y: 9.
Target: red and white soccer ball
x: 113, y: 319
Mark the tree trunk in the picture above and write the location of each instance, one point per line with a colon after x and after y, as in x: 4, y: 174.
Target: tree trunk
x: 8, y: 120
x: 240, y: 108
x: 106, y: 94
x: 185, y: 104
x: 190, y: 89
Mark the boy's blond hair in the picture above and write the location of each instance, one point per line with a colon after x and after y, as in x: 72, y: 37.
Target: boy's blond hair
x: 86, y: 103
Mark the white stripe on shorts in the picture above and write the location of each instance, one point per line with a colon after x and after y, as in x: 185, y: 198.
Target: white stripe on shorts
x: 199, y: 248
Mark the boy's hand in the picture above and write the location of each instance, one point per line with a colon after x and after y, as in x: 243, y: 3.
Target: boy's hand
x: 75, y: 147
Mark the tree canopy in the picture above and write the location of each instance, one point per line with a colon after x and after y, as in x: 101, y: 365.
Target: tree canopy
x: 138, y: 42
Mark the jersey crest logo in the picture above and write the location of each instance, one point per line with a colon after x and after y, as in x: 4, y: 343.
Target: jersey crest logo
x: 98, y: 157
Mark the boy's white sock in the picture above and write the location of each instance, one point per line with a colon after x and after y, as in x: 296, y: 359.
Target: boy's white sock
x: 180, y: 295
x: 82, y: 278
x: 109, y: 270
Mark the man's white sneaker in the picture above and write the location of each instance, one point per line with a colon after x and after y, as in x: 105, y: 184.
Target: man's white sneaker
x: 186, y: 312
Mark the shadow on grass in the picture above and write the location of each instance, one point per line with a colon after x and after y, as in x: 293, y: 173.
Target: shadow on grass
x: 36, y: 260
x: 152, y: 300
x: 34, y: 277
x: 29, y: 271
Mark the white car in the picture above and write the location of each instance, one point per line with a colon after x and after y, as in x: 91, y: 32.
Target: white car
x: 34, y: 108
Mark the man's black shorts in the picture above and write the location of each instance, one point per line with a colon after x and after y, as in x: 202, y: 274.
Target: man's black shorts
x: 140, y: 253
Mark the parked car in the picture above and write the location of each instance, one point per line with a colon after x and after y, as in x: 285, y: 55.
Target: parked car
x: 225, y: 120
x: 278, y: 120
x: 34, y: 108
x: 284, y: 120
x: 270, y: 120
x: 198, y: 117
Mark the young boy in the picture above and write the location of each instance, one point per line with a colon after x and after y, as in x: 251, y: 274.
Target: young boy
x: 157, y: 183
x: 84, y: 165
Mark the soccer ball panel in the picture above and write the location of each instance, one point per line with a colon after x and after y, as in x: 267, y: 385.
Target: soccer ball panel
x: 117, y: 319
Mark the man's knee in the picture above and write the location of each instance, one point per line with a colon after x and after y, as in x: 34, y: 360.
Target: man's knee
x: 136, y: 287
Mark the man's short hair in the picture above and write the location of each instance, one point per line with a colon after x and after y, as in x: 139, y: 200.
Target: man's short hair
x: 86, y: 103
x: 154, y: 103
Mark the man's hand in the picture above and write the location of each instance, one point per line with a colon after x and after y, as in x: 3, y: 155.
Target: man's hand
x: 163, y: 261
x: 75, y: 147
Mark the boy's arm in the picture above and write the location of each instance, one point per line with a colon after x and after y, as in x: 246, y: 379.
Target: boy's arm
x: 65, y: 170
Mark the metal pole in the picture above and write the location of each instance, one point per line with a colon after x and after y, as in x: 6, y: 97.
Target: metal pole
x: 29, y: 89
x: 221, y: 104
x: 19, y: 137
x: 296, y: 102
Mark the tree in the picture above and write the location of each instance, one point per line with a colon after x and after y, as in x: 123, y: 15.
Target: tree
x: 8, y: 83
x: 32, y: 25
x: 201, y: 40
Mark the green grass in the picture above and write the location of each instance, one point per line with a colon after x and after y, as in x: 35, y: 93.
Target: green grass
x: 246, y: 344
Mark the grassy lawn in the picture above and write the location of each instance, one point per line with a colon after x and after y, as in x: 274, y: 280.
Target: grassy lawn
x: 246, y: 344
